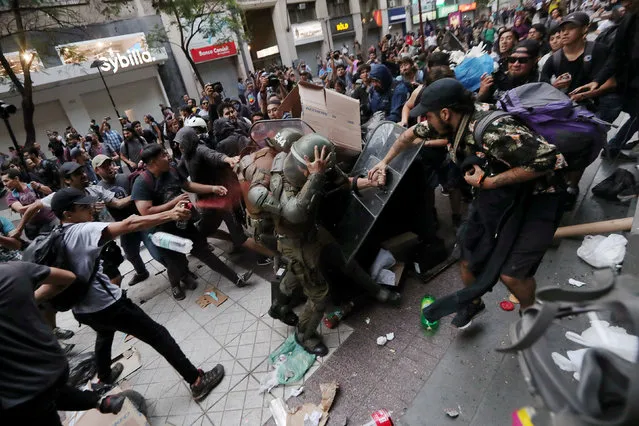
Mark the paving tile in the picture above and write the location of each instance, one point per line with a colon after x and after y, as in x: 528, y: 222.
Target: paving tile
x: 199, y: 346
x: 254, y: 344
x: 230, y: 323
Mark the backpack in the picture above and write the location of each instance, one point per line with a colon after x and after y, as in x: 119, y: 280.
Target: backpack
x: 549, y: 112
x: 587, y: 62
x: 48, y: 249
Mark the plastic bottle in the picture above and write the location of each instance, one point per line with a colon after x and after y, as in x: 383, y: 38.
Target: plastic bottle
x: 427, y: 300
x: 332, y: 319
x: 182, y: 224
x: 172, y: 242
x: 380, y: 418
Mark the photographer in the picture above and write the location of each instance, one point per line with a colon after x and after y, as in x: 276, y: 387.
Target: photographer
x: 271, y: 85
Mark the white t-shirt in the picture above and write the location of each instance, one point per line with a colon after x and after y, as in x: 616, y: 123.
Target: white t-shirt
x: 81, y: 241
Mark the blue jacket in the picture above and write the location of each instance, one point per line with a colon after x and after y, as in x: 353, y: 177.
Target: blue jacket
x: 400, y: 96
x: 381, y: 101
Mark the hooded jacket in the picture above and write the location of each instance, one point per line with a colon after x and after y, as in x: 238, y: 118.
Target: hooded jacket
x: 231, y: 137
x: 381, y: 100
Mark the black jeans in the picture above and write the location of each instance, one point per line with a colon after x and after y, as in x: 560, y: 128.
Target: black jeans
x: 177, y: 265
x: 127, y: 317
x: 43, y: 408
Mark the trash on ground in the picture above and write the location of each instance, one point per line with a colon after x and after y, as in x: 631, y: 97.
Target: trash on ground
x: 380, y: 418
x: 211, y: 296
x: 506, y: 305
x: 332, y: 319
x: 296, y: 391
x: 601, y: 335
x: 523, y: 416
x: 82, y: 368
x: 453, y: 413
x: 513, y: 299
x: 390, y: 336
x: 308, y: 413
x: 384, y: 260
x: 289, y: 363
x: 279, y: 410
x: 428, y: 325
x: 367, y: 320
x: 381, y: 340
x: 603, y: 252
x: 576, y: 283
x: 572, y: 364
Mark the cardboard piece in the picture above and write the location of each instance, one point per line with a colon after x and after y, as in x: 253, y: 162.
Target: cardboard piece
x: 208, y: 299
x: 333, y: 115
x: 128, y: 416
x: 329, y: 390
x: 131, y: 360
x: 292, y: 103
x: 401, y: 246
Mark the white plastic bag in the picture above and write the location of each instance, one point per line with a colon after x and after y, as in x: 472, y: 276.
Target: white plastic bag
x: 603, y: 252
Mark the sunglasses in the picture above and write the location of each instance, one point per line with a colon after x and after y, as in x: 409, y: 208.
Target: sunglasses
x: 512, y: 60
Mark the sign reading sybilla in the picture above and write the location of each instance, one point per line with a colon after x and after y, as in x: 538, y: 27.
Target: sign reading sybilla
x: 117, y: 61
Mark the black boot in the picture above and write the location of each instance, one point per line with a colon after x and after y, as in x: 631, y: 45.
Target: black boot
x: 283, y: 314
x: 313, y: 344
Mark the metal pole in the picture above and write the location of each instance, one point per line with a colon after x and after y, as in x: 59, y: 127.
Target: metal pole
x: 109, y: 93
x: 15, y: 142
x: 421, y: 25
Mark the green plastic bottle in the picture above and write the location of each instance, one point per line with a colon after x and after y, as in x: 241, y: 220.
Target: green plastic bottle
x: 427, y: 300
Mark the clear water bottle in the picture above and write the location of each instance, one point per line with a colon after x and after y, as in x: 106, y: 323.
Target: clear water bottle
x: 182, y: 224
x: 172, y: 242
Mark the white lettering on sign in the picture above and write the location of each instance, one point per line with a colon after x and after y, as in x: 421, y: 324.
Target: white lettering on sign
x: 132, y: 58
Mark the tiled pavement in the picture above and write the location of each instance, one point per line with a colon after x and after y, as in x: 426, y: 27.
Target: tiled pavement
x: 239, y: 334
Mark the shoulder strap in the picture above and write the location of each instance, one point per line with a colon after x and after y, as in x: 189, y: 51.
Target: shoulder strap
x: 482, y: 123
x: 556, y: 61
x: 587, y: 65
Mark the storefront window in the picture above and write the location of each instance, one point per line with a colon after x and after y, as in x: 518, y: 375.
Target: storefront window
x: 14, y: 61
x: 338, y: 8
x: 301, y: 12
x: 75, y: 53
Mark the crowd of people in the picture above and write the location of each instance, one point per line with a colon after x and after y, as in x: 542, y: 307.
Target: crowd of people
x: 106, y: 190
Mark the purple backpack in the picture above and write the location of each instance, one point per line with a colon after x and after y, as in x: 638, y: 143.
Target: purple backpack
x: 549, y: 112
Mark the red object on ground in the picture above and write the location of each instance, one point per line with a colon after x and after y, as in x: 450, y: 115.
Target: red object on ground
x: 506, y: 305
x: 382, y: 418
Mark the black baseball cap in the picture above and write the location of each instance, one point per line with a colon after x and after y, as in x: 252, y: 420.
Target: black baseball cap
x: 528, y: 47
x: 444, y: 93
x: 64, y: 199
x: 69, y: 167
x: 578, y: 18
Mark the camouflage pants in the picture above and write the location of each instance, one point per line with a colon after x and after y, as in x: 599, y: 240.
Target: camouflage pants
x: 303, y: 270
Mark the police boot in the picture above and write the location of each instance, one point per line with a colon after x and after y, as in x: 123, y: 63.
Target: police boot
x: 306, y: 334
x: 281, y: 310
x: 386, y: 296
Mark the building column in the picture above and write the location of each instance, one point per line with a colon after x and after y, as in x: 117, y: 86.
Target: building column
x: 283, y: 33
x: 409, y: 15
x: 321, y: 11
x: 383, y: 7
x: 75, y: 110
x: 356, y: 11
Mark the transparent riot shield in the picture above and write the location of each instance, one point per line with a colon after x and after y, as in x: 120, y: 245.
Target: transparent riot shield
x: 266, y: 129
x: 361, y: 212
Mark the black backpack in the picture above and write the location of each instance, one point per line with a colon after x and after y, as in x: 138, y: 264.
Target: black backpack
x: 48, y: 249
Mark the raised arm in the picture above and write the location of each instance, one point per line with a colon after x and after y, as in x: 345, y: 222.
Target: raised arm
x: 58, y: 280
x: 138, y: 223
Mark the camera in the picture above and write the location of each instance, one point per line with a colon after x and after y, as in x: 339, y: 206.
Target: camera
x: 273, y: 81
x: 336, y: 54
x: 107, y: 118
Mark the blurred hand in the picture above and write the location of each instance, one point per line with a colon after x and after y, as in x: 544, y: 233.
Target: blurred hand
x: 319, y: 164
x: 232, y: 161
x: 180, y: 212
x: 486, y: 82
x: 585, y: 88
x: 98, y: 207
x: 378, y: 173
x: 16, y: 233
x: 182, y: 198
x: 219, y: 190
x: 563, y: 81
x: 473, y: 177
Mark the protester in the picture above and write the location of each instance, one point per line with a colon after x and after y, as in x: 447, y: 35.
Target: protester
x: 518, y: 168
x: 46, y: 171
x: 10, y: 245
x: 154, y: 128
x: 380, y: 98
x: 131, y: 148
x: 554, y: 42
x: 80, y: 156
x: 160, y: 190
x: 505, y: 45
x: 111, y: 137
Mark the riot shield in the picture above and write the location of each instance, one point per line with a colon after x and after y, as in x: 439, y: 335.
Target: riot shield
x: 264, y: 129
x: 361, y: 212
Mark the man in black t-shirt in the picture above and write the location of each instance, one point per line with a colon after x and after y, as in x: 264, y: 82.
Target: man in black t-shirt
x: 578, y: 61
x: 34, y: 369
x: 160, y: 188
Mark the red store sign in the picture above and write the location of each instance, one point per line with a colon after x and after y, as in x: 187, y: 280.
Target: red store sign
x: 467, y: 7
x: 211, y: 53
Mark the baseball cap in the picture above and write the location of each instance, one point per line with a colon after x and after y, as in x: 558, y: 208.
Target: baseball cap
x: 70, y: 167
x: 64, y: 199
x: 528, y: 47
x: 98, y: 160
x: 443, y: 93
x: 75, y: 152
x: 577, y: 18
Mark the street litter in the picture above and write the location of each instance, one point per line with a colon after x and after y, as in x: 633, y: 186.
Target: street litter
x: 513, y: 299
x: 211, y: 296
x: 452, y: 413
x: 506, y: 305
x: 131, y: 414
x: 603, y: 252
x: 308, y: 414
x: 523, y: 416
x: 576, y: 283
x: 381, y: 340
x: 296, y: 391
x: 289, y: 363
x: 367, y: 320
x: 390, y: 336
x: 380, y: 270
x: 380, y: 418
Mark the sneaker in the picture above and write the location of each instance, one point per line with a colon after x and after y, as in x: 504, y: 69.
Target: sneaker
x: 178, y: 293
x: 116, y: 371
x: 189, y: 283
x: 242, y: 279
x: 62, y: 334
x: 112, y: 404
x: 264, y: 260
x: 465, y: 315
x: 138, y: 278
x: 208, y: 381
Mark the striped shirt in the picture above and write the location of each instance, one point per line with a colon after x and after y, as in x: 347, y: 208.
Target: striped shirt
x: 113, y: 139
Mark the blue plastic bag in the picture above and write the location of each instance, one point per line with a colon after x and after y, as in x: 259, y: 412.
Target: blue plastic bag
x: 469, y: 72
